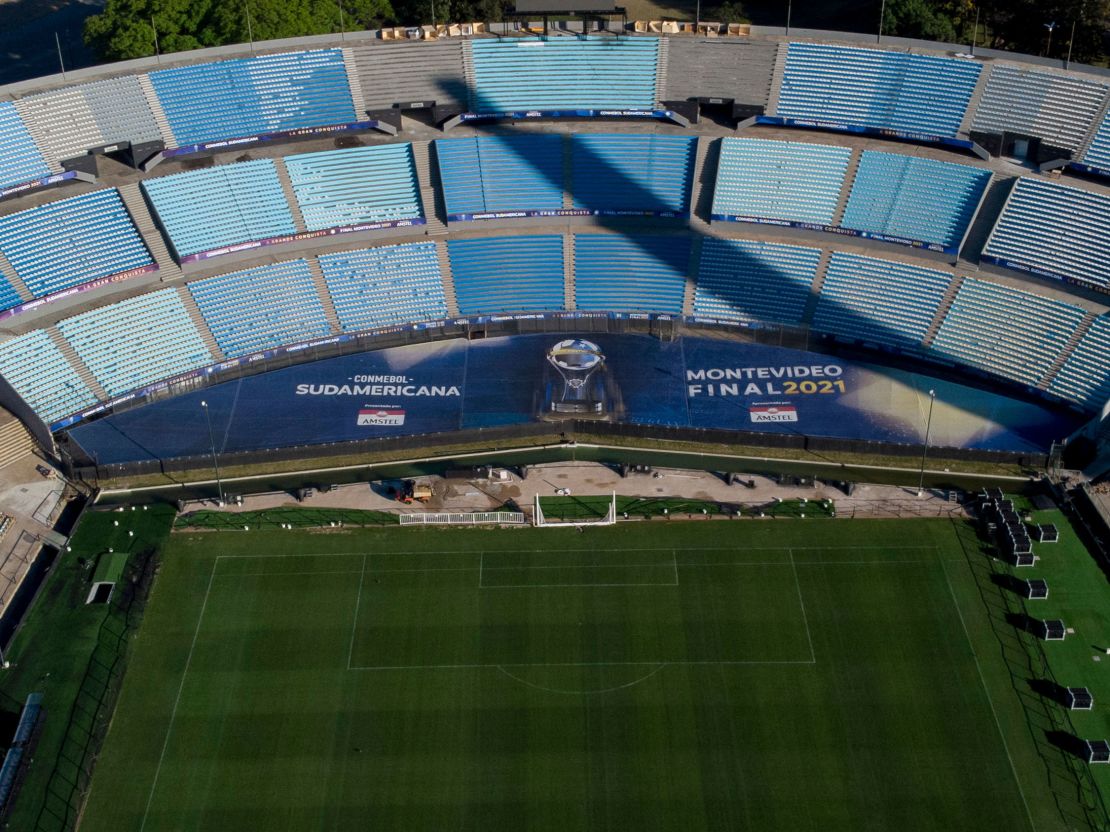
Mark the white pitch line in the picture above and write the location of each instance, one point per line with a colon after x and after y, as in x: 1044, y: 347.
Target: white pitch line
x: 674, y: 560
x: 707, y: 663
x: 802, y: 604
x: 177, y: 700
x: 354, y: 620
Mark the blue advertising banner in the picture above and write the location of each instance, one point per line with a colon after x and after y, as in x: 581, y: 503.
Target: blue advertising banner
x: 35, y: 184
x: 684, y: 383
x: 277, y: 135
x: 525, y: 115
x: 565, y: 212
x: 840, y: 127
x: 836, y: 229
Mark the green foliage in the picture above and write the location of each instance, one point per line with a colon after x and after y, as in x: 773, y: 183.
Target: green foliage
x: 918, y: 19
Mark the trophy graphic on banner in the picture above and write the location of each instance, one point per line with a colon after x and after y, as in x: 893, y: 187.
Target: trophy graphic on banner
x: 580, y: 366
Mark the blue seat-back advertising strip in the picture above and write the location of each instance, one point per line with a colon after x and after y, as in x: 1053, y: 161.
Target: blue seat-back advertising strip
x: 689, y: 383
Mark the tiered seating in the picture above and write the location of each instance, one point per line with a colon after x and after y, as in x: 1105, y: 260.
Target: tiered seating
x: 38, y: 371
x: 256, y: 309
x: 1085, y: 376
x: 522, y: 172
x: 137, y: 341
x: 749, y: 280
x: 1098, y: 152
x: 385, y: 286
x: 1008, y: 332
x: 875, y: 88
x: 358, y: 185
x: 1053, y: 229
x: 630, y: 273
x: 1055, y: 107
x: 615, y: 173
x: 913, y: 198
x: 72, y: 241
x: 248, y: 96
x: 563, y: 73
x: 879, y: 301
x: 410, y: 71
x: 20, y: 160
x: 508, y: 274
x: 774, y: 180
x: 202, y: 210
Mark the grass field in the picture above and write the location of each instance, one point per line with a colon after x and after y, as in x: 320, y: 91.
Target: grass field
x: 777, y: 675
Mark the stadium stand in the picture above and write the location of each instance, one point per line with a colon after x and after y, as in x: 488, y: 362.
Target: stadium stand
x: 874, y: 88
x: 563, y: 73
x: 913, y: 198
x: 202, y: 210
x: 9, y: 297
x: 261, y: 308
x: 1009, y: 332
x: 632, y: 173
x: 736, y: 69
x: 501, y: 173
x: 36, y: 368
x: 1085, y: 376
x: 630, y: 273
x: 357, y: 185
x: 1097, y: 154
x: 20, y: 159
x: 409, y: 72
x: 385, y: 286
x: 750, y: 280
x: 241, y: 97
x: 508, y: 274
x: 72, y: 241
x: 1053, y: 230
x: 70, y: 121
x: 1057, y: 108
x: 879, y: 301
x: 776, y: 180
x: 136, y: 341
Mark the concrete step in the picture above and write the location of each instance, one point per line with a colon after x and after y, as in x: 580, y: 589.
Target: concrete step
x: 31, y: 123
x: 14, y: 279
x: 846, y: 188
x: 448, y: 277
x: 568, y: 272
x: 815, y: 288
x: 199, y: 322
x: 691, y: 275
x: 79, y: 366
x: 156, y: 108
x: 15, y: 443
x: 1062, y: 358
x: 427, y: 176
x: 776, y: 80
x: 354, y: 82
x: 942, y: 311
x: 137, y: 207
x: 661, y: 71
x: 998, y: 191
x: 976, y: 97
x: 324, y: 295
x: 290, y: 195
x: 568, y: 172
x: 705, y: 173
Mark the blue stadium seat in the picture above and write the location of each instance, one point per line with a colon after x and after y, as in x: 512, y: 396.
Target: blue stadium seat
x: 501, y: 173
x: 261, y: 308
x: 563, y: 73
x: 36, y: 368
x: 776, y: 180
x: 914, y: 198
x: 384, y: 286
x: 358, y: 185
x: 241, y: 97
x: 877, y: 301
x: 634, y: 273
x: 632, y: 173
x: 72, y: 241
x: 750, y: 280
x: 1056, y: 230
x: 137, y: 341
x: 508, y: 274
x: 876, y: 88
x: 1097, y: 154
x: 20, y: 159
x: 1085, y: 376
x: 207, y: 209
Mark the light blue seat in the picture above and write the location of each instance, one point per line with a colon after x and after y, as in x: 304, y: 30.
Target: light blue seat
x: 1007, y: 332
x: 875, y: 88
x: 776, y: 180
x: 1085, y: 376
x: 203, y: 210
x: 634, y: 273
x: 1098, y: 151
x: 508, y: 274
x: 560, y: 73
x: 501, y: 173
x: 20, y: 159
x: 36, y: 368
x: 1056, y: 230
x: 882, y: 302
x: 914, y: 198
x: 72, y: 241
x: 261, y: 308
x: 615, y: 173
x: 384, y: 286
x: 750, y: 280
x: 358, y: 185
x: 240, y: 97
x: 137, y: 341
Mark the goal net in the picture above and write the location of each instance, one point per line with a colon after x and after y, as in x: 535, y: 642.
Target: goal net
x: 575, y: 511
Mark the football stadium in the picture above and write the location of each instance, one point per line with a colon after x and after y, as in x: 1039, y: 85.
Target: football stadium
x: 596, y: 424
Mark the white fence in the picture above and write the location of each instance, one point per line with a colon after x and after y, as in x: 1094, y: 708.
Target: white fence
x: 453, y: 518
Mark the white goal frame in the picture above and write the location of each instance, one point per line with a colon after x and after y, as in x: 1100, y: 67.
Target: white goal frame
x: 610, y: 518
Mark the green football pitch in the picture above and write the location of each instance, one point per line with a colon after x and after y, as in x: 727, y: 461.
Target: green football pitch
x: 786, y: 675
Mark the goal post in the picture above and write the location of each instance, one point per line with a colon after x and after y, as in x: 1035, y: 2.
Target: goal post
x: 561, y: 518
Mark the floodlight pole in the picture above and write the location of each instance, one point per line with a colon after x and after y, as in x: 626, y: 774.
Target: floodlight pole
x: 789, y: 9
x: 61, y: 63
x: 882, y: 14
x: 215, y: 460
x: 925, y: 448
x: 250, y: 32
x: 342, y: 24
x: 975, y: 31
x: 157, y: 52
x: 1071, y: 40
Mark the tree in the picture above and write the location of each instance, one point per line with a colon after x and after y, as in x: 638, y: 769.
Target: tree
x: 918, y: 19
